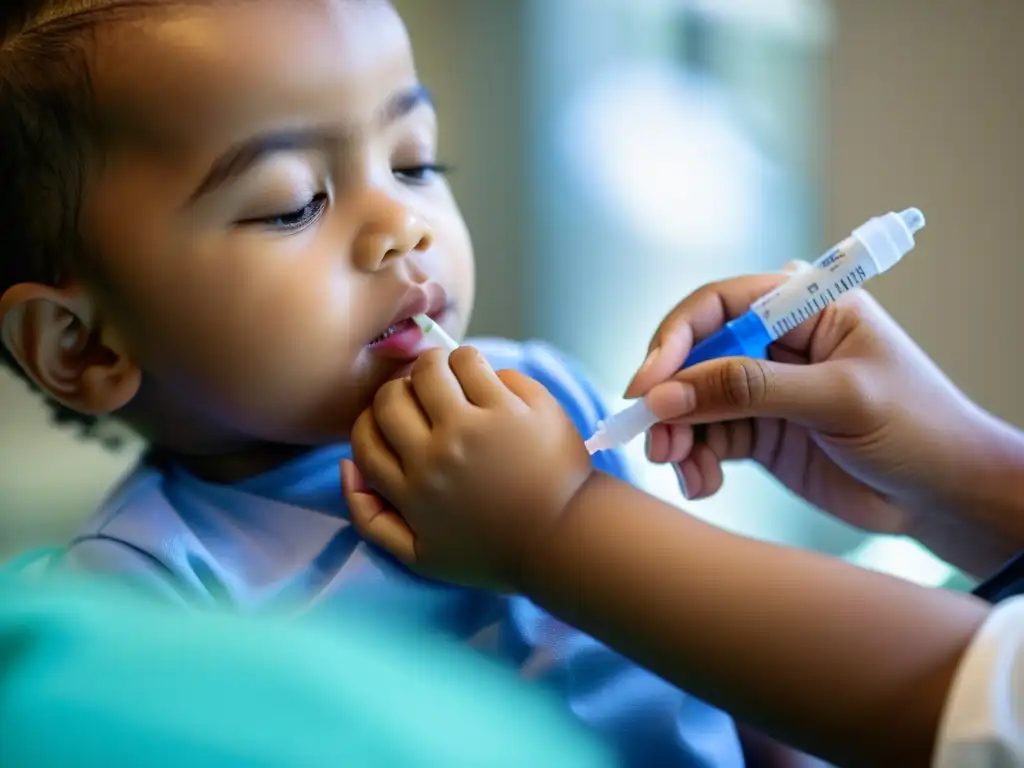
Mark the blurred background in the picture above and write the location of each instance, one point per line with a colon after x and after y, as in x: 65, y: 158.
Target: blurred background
x: 613, y: 155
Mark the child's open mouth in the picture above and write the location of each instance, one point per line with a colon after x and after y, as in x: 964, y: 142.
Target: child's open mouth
x: 398, y: 327
x: 404, y: 340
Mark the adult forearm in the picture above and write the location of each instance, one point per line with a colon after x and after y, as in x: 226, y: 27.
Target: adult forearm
x: 974, y: 518
x: 838, y: 661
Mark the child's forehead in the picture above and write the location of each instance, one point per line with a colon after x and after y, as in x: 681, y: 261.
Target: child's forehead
x: 203, y: 69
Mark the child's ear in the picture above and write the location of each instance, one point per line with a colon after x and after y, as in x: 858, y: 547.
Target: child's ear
x: 53, y: 334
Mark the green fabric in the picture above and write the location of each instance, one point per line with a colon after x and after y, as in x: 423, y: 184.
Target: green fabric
x: 28, y: 559
x: 93, y: 675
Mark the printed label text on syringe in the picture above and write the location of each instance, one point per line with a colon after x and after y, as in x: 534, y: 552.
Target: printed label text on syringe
x: 818, y: 301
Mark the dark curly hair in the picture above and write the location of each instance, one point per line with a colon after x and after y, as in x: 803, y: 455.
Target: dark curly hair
x: 49, y: 132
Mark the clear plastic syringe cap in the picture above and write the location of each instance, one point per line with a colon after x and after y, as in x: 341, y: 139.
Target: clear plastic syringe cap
x: 890, y: 237
x: 913, y: 219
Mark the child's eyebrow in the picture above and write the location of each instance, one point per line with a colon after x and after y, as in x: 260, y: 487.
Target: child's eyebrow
x: 244, y: 155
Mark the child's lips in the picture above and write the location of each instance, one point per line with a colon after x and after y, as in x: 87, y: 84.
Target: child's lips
x: 404, y: 340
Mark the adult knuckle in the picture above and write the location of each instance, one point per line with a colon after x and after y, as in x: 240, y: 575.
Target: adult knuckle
x: 745, y: 383
x: 858, y: 387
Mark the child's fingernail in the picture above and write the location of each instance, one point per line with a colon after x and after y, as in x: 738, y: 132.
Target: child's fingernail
x: 351, y: 479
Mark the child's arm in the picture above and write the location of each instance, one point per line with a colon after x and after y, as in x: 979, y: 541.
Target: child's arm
x: 841, y: 662
x: 496, y: 490
x: 647, y: 720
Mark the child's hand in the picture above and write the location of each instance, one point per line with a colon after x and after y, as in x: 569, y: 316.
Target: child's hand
x: 479, y: 465
x: 849, y: 413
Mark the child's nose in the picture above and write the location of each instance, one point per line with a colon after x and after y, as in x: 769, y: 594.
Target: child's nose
x: 391, y: 231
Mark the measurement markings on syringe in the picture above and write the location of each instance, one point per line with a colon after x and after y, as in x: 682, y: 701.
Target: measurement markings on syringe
x: 819, y: 300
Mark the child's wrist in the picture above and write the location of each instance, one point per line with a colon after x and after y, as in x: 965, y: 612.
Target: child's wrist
x: 541, y: 558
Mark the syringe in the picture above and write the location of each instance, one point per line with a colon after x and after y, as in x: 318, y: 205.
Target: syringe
x: 435, y: 334
x: 873, y: 248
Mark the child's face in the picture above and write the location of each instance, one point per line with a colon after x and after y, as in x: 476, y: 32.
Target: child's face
x: 269, y: 209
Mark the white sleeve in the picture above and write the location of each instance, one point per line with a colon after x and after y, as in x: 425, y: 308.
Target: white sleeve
x: 983, y: 724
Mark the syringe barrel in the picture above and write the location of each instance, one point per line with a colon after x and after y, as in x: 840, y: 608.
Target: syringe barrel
x: 872, y: 249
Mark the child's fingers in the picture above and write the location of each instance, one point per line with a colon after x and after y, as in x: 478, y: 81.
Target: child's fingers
x: 480, y: 383
x: 530, y: 391
x: 436, y: 386
x: 352, y: 480
x: 374, y: 456
x: 402, y: 421
x: 375, y: 521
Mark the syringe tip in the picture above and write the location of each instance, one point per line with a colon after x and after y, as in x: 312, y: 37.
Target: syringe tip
x: 913, y: 219
x: 618, y: 429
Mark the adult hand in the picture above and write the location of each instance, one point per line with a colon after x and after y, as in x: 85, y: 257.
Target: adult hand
x: 848, y: 412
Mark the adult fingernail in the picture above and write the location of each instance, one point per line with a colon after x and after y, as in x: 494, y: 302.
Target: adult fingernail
x: 672, y: 399
x: 795, y: 267
x: 649, y: 360
x: 644, y: 367
x: 682, y: 481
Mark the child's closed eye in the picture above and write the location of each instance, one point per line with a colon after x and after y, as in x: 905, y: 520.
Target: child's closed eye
x: 423, y: 173
x: 300, y: 218
x: 296, y: 220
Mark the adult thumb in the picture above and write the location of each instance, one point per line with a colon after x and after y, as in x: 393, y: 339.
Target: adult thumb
x: 822, y: 396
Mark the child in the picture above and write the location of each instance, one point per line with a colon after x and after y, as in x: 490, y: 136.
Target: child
x: 857, y: 667
x: 219, y: 218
